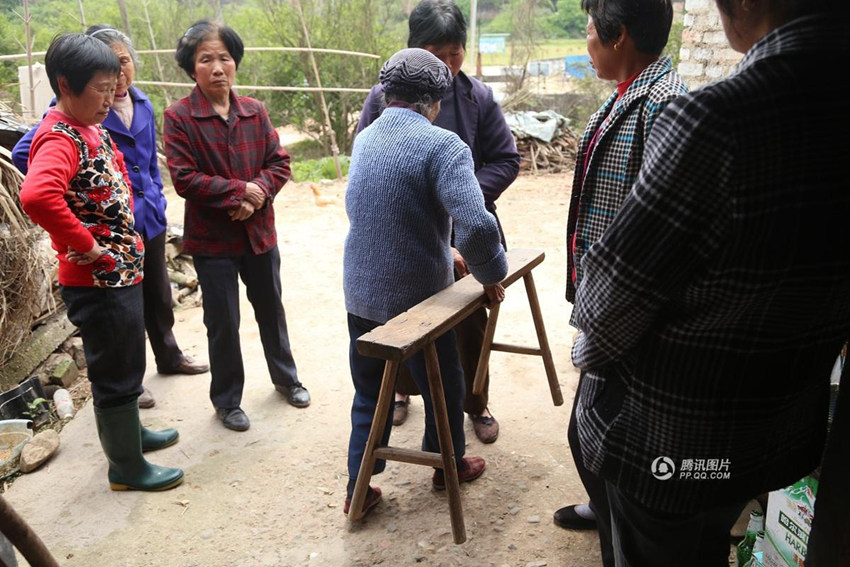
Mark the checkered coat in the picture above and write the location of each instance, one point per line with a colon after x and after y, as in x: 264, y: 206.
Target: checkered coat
x: 616, y: 158
x: 714, y: 306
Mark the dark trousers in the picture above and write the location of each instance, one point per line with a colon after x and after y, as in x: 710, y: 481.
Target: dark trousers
x: 829, y: 541
x: 159, y: 313
x: 594, y: 486
x: 644, y: 537
x: 112, y: 327
x: 367, y: 374
x: 219, y: 279
x: 470, y: 339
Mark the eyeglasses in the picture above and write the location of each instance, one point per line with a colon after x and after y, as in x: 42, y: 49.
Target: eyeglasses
x: 103, y: 91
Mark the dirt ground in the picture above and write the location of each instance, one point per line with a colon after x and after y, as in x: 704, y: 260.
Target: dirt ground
x: 273, y: 496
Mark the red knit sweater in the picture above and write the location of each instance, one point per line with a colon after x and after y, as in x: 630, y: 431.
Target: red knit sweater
x: 76, y: 188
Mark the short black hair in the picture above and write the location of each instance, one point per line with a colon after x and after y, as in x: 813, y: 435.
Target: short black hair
x: 200, y: 32
x: 647, y: 22
x: 77, y: 57
x: 436, y: 22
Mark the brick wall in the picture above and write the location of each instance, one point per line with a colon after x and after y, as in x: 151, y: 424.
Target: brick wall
x: 705, y: 54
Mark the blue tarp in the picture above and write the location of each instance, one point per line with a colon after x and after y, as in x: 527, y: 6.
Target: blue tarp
x: 545, y: 126
x: 577, y: 65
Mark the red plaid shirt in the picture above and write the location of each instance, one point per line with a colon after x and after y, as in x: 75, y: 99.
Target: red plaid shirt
x: 211, y: 160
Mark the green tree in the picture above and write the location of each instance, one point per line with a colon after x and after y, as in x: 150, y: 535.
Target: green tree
x: 568, y: 20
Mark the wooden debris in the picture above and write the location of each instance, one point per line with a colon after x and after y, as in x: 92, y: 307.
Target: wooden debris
x: 556, y: 156
x: 185, y: 290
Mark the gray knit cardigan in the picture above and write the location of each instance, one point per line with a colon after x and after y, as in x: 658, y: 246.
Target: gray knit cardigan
x: 409, y: 183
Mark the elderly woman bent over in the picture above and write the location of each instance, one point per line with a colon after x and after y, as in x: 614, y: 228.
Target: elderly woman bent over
x: 410, y: 182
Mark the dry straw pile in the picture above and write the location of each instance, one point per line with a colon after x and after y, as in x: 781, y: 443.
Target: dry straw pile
x: 26, y: 267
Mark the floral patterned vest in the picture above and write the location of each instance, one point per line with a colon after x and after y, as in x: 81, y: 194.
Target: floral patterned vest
x: 100, y: 197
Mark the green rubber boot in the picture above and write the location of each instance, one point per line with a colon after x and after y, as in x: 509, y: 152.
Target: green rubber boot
x: 154, y: 440
x: 120, y: 435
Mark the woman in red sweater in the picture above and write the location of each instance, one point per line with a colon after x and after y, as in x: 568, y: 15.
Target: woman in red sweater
x: 77, y: 190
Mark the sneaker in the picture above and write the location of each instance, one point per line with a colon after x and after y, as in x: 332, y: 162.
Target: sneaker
x: 373, y: 496
x: 472, y: 469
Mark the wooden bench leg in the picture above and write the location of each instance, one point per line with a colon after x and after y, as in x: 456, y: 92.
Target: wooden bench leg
x: 385, y: 402
x: 484, y: 356
x: 546, y: 352
x: 447, y: 451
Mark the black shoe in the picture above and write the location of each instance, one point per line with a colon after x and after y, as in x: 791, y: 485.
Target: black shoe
x: 568, y: 518
x: 297, y: 395
x: 233, y: 418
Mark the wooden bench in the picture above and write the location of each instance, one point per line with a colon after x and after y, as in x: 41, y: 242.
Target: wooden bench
x: 417, y: 329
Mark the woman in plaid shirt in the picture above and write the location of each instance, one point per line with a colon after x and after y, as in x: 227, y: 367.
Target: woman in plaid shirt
x: 714, y: 306
x: 225, y: 159
x: 624, y: 39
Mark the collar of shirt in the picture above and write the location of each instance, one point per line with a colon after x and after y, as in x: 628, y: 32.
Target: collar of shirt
x: 624, y: 86
x: 201, y: 107
x: 796, y: 36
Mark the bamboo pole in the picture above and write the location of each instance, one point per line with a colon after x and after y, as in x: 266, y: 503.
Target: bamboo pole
x: 328, y: 125
x: 125, y: 20
x: 82, y: 15
x: 269, y: 49
x: 260, y: 87
x: 28, y: 31
x: 156, y: 56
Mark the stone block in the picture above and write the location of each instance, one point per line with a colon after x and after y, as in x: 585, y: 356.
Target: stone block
x: 65, y: 372
x: 39, y: 450
x: 715, y: 38
x: 74, y: 347
x: 45, y: 339
x: 691, y: 69
x: 702, y: 54
x: 716, y: 71
x: 697, y: 5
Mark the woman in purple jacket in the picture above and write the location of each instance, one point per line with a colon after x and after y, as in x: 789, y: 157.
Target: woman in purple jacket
x: 132, y: 126
x: 469, y: 110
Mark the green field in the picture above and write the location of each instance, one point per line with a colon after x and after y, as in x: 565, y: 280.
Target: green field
x: 549, y: 49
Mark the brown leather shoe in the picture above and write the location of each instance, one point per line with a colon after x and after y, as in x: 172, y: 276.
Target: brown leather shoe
x: 146, y: 399
x: 400, y: 411
x: 186, y: 366
x: 373, y: 496
x: 472, y: 469
x: 486, y: 428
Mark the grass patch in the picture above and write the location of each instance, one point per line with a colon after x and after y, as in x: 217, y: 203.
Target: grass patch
x: 305, y: 150
x: 549, y: 49
x: 318, y: 169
